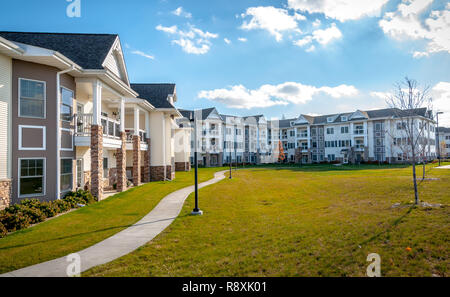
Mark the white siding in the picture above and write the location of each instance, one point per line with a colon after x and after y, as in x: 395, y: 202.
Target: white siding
x: 5, y: 116
x: 112, y: 64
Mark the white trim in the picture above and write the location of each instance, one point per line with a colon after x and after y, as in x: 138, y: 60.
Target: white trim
x: 19, y: 96
x: 44, y: 177
x: 72, y: 134
x: 44, y: 138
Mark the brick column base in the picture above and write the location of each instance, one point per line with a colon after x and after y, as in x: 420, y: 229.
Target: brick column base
x: 147, y: 163
x: 157, y: 173
x: 121, y: 164
x: 97, y: 161
x: 5, y: 193
x: 136, y: 160
x: 182, y: 166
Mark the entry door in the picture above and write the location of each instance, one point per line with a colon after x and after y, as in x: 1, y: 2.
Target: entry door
x: 80, y: 174
x: 345, y: 158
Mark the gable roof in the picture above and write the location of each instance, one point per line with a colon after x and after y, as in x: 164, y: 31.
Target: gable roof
x: 156, y: 94
x: 87, y: 50
x: 444, y: 130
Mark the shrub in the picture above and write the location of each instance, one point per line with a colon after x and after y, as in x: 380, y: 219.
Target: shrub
x: 15, y: 221
x: 3, y: 231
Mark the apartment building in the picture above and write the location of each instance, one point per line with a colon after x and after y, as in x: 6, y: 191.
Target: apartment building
x: 222, y: 138
x: 443, y: 141
x: 71, y: 119
x: 352, y: 137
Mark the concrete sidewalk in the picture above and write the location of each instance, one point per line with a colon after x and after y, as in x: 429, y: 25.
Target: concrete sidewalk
x: 444, y: 167
x: 123, y: 242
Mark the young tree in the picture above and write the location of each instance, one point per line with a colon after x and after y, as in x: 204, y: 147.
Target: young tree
x: 406, y: 100
x: 281, y: 155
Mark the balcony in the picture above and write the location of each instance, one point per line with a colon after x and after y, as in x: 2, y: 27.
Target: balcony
x: 111, y: 131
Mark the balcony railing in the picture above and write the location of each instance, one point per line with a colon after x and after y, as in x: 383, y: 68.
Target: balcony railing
x: 111, y: 128
x: 83, y: 123
x: 130, y: 133
x: 358, y: 131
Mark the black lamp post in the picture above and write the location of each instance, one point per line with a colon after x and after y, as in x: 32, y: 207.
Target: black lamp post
x: 437, y: 135
x: 231, y: 163
x: 196, y: 211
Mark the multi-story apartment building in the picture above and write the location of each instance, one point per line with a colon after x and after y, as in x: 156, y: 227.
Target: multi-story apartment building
x: 443, y: 141
x: 71, y: 119
x: 352, y: 137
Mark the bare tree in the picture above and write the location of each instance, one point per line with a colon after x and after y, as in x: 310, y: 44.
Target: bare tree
x: 406, y: 101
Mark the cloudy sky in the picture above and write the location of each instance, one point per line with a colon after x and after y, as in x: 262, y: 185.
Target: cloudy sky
x: 277, y: 58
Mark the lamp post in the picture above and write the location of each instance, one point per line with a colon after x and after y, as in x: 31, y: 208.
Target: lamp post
x: 231, y: 163
x: 196, y: 211
x: 437, y: 135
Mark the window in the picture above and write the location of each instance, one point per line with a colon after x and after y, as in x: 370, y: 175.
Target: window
x: 66, y: 104
x: 292, y: 133
x: 80, y: 173
x: 330, y: 119
x: 331, y: 157
x: 330, y: 130
x: 105, y: 167
x: 31, y: 177
x: 31, y: 98
x: 344, y: 130
x: 66, y: 175
x: 344, y: 118
x: 401, y: 125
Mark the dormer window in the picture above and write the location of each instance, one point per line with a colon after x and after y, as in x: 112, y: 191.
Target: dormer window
x: 344, y: 118
x: 330, y: 119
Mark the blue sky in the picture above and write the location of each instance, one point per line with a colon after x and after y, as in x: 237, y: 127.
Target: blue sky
x: 295, y: 57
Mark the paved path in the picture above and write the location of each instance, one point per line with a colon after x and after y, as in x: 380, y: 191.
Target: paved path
x: 123, y: 242
x: 444, y: 167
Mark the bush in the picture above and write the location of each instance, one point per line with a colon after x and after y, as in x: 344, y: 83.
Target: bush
x: 22, y: 215
x: 3, y: 231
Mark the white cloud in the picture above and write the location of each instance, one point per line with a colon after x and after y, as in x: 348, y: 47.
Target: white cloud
x: 274, y: 20
x: 327, y: 35
x: 242, y: 39
x: 310, y: 49
x: 406, y: 23
x: 316, y: 23
x: 181, y: 12
x: 192, y: 41
x: 271, y: 95
x: 321, y: 36
x: 381, y: 95
x: 342, y: 10
x: 227, y: 41
x: 142, y: 54
x: 441, y: 101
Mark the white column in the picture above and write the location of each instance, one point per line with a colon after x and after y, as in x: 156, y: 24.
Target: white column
x: 97, y: 102
x: 147, y: 123
x: 122, y: 114
x: 136, y: 120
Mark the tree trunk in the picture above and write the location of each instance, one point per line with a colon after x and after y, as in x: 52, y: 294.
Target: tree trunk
x: 423, y: 173
x: 416, y: 192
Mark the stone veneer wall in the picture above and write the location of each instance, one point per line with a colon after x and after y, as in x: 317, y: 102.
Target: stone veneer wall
x: 97, y: 161
x: 5, y: 193
x: 121, y: 164
x: 157, y: 173
x: 182, y: 166
x: 87, y: 180
x: 136, y: 160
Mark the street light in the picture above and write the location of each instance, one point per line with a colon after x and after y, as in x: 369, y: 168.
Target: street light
x: 231, y: 163
x: 437, y: 135
x: 196, y: 211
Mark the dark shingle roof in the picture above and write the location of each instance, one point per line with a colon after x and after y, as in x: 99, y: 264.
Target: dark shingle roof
x: 444, y: 130
x: 156, y: 94
x: 87, y: 50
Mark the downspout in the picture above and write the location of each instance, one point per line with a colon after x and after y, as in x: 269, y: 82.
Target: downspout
x: 58, y: 129
x: 164, y: 147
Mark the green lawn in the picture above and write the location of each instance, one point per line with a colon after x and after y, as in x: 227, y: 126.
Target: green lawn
x: 84, y: 227
x: 308, y: 221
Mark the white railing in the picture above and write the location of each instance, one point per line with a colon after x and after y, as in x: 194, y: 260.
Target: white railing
x: 83, y: 124
x: 111, y: 127
x: 130, y: 133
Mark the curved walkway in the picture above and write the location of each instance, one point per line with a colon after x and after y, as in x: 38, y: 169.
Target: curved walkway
x: 123, y: 242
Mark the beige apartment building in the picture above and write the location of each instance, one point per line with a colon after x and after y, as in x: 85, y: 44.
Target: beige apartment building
x: 70, y: 118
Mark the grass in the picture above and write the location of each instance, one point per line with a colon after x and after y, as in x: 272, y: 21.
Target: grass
x: 308, y: 221
x: 84, y: 227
